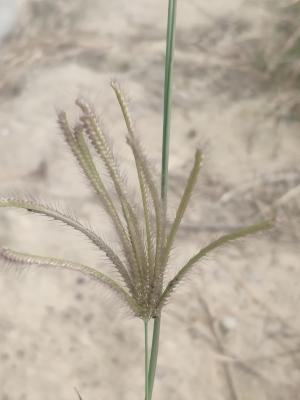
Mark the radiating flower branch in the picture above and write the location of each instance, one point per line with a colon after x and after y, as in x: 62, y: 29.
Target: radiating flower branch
x: 145, y: 248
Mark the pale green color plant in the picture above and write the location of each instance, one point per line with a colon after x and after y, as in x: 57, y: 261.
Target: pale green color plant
x: 145, y: 243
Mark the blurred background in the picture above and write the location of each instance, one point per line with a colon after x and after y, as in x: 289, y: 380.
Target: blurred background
x: 233, y: 330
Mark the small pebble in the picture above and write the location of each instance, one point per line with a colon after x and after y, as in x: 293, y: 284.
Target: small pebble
x: 228, y: 324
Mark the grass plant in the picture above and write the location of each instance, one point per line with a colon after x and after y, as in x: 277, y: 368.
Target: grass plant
x: 145, y: 243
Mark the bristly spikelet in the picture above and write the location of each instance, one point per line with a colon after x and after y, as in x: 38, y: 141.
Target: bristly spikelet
x: 145, y: 244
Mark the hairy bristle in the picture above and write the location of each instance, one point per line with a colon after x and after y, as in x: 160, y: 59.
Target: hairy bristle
x: 29, y: 259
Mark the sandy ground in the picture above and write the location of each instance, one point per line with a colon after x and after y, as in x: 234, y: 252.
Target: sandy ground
x: 233, y: 330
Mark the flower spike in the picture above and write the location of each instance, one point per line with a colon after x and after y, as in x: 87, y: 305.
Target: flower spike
x: 145, y: 242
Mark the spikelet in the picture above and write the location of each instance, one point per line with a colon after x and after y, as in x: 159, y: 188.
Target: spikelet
x: 28, y: 259
x: 38, y: 208
x: 221, y: 241
x: 98, y: 139
x: 145, y: 179
x: 191, y: 182
x: 75, y: 140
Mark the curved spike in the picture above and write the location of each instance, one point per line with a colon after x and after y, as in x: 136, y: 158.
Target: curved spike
x: 191, y: 182
x: 145, y: 176
x: 98, y: 139
x: 59, y: 216
x: 221, y: 241
x: 160, y: 218
x: 75, y: 140
x: 29, y: 259
x: 124, y: 106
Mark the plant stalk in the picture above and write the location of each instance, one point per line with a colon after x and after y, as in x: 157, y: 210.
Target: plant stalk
x: 154, y: 354
x: 170, y: 43
x: 146, y: 361
x: 168, y: 96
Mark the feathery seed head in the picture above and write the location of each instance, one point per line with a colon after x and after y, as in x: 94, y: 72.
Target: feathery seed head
x: 145, y: 242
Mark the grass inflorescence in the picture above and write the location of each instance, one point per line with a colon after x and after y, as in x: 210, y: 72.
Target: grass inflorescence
x: 146, y: 243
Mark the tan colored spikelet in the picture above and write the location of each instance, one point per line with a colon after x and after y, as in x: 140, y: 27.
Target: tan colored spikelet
x: 28, y: 259
x: 98, y: 138
x: 145, y: 178
x: 79, y: 148
x: 221, y: 241
x: 191, y: 182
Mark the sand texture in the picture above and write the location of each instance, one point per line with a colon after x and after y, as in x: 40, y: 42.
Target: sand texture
x: 232, y: 331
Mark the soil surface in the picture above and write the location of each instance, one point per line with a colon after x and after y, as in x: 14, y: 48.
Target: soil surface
x: 232, y: 331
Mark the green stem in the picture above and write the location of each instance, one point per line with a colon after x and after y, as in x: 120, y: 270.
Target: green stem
x: 165, y: 163
x: 168, y: 96
x: 146, y: 361
x: 154, y: 354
